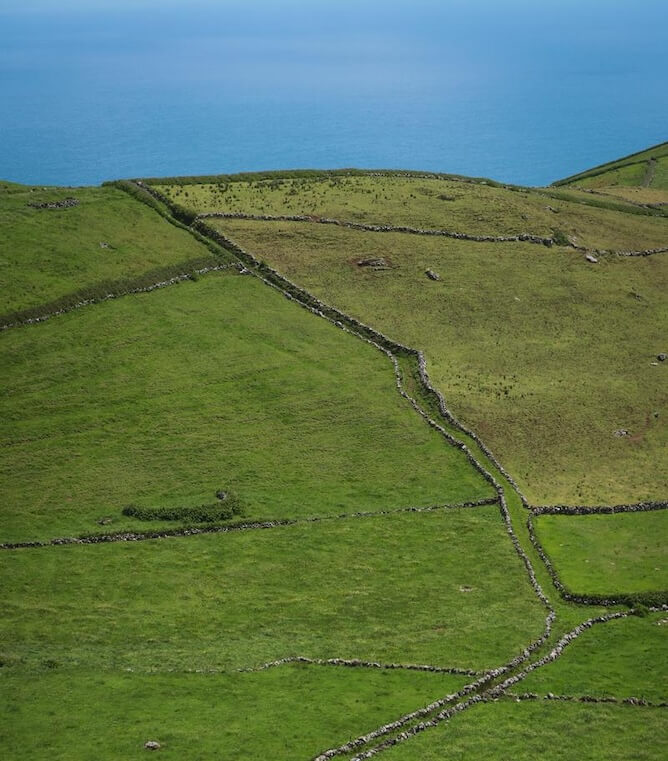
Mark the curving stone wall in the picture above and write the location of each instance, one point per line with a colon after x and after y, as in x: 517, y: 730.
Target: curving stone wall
x: 521, y: 237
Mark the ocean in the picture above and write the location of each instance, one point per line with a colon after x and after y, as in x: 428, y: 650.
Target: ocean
x: 519, y: 91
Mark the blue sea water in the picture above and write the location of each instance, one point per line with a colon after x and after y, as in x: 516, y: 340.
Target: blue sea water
x: 522, y: 91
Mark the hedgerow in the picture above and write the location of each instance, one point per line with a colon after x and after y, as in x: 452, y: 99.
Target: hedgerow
x: 222, y: 510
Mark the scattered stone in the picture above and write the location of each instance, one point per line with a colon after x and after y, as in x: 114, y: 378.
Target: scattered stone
x: 654, y: 364
x: 621, y: 432
x: 64, y: 204
x: 662, y: 357
x: 152, y: 745
x: 552, y: 209
x: 104, y: 521
x: 104, y: 244
x: 221, y: 494
x: 465, y: 588
x: 432, y: 275
x: 374, y: 262
x: 591, y: 258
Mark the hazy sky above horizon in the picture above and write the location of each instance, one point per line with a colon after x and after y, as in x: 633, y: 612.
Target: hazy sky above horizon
x: 440, y: 75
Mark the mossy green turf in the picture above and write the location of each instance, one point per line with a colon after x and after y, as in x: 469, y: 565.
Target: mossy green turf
x: 47, y: 253
x: 466, y: 207
x: 161, y: 399
x: 622, y: 658
x: 441, y: 588
x: 622, y: 553
x: 543, y: 730
x: 544, y: 355
x: 287, y: 713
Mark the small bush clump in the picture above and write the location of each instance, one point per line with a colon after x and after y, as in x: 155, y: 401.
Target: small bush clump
x: 560, y: 238
x: 223, y: 510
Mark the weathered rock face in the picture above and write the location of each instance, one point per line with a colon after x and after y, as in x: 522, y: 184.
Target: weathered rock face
x: 64, y: 204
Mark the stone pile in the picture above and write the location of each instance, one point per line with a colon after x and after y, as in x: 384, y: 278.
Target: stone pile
x: 66, y: 203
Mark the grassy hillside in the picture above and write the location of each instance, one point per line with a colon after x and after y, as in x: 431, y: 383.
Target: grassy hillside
x: 201, y: 716
x: 655, y: 152
x: 162, y: 399
x: 615, y: 554
x: 545, y: 355
x: 641, y: 178
x: 466, y: 207
x: 440, y: 588
x: 625, y: 658
x: 339, y: 536
x: 544, y: 729
x: 46, y: 253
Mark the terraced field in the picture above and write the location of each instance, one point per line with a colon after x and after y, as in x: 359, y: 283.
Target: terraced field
x: 252, y: 506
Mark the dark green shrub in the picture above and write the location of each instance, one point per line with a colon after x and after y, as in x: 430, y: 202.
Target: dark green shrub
x: 219, y: 511
x: 560, y: 238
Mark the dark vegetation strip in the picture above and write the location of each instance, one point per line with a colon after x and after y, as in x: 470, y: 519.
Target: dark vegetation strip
x: 521, y: 237
x: 489, y: 695
x: 355, y: 663
x: 637, y: 598
x: 113, y: 289
x: 139, y: 536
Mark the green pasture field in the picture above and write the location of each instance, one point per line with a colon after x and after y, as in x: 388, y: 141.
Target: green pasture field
x: 443, y: 588
x: 47, y: 253
x: 544, y: 730
x: 656, y: 152
x: 623, y: 553
x: 543, y: 354
x: 467, y: 207
x: 622, y: 658
x: 284, y: 713
x: 161, y: 399
x: 637, y: 182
